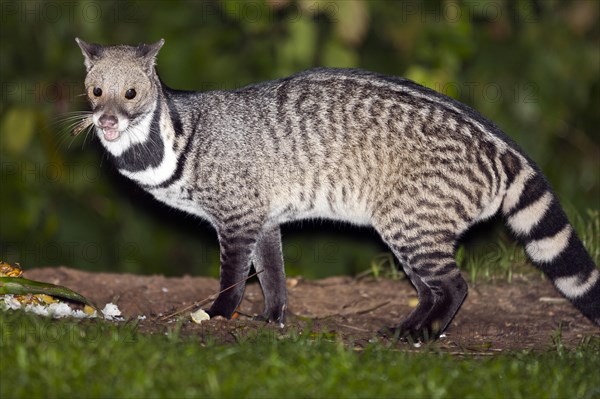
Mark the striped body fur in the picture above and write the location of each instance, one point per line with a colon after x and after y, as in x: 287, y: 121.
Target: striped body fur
x: 348, y: 145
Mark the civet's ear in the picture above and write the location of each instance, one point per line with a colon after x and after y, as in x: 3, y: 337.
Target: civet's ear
x: 148, y: 52
x: 91, y: 52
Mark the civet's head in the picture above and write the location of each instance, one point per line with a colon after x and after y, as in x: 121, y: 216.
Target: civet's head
x: 122, y: 87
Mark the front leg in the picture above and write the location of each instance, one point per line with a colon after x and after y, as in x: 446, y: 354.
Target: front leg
x: 236, y: 248
x: 268, y: 262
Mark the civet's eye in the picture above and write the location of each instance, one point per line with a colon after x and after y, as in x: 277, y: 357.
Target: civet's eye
x: 97, y: 91
x: 129, y: 94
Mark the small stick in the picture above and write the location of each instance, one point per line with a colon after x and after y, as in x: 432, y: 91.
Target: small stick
x: 354, y: 328
x: 362, y: 311
x: 210, y: 298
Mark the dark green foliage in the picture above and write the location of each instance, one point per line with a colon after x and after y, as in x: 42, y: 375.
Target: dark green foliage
x: 531, y: 66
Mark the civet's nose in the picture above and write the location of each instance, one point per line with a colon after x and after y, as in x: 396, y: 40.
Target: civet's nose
x: 108, y: 121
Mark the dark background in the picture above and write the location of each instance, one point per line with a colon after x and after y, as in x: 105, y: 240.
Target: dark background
x: 531, y: 66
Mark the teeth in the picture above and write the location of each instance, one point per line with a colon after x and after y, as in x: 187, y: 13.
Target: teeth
x: 110, y: 134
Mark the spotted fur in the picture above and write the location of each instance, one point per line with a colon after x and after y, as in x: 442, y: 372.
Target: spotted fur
x: 342, y: 144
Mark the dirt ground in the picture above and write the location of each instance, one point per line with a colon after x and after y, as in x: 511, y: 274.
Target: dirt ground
x: 524, y: 314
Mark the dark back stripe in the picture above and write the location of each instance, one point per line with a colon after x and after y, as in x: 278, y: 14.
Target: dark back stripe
x: 512, y: 166
x: 490, y: 152
x: 447, y: 101
x: 461, y: 112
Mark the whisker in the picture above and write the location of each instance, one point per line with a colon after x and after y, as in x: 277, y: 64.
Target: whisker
x: 72, y: 120
x: 88, y: 130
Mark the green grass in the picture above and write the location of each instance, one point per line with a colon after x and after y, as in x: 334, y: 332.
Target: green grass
x: 45, y: 358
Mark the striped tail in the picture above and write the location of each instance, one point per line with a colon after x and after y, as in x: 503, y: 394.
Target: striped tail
x: 535, y: 215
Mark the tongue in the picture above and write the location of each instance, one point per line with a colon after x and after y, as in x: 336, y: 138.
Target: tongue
x: 111, y: 134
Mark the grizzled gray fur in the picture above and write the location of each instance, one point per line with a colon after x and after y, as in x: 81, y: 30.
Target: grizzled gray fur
x: 341, y: 144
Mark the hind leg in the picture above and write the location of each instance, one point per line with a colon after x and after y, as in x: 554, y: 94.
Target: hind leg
x: 268, y: 262
x: 431, y: 267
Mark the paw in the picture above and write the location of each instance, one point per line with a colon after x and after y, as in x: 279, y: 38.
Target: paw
x: 216, y: 313
x: 276, y: 315
x: 264, y: 319
x: 261, y: 318
x: 403, y: 333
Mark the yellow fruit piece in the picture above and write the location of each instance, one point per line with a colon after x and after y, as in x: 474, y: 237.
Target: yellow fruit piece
x: 413, y: 302
x: 46, y: 298
x: 7, y: 270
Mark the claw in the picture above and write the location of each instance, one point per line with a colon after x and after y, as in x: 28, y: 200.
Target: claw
x: 408, y: 335
x: 267, y: 319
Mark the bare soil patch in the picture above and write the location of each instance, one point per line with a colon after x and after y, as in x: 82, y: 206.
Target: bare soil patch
x: 498, y: 316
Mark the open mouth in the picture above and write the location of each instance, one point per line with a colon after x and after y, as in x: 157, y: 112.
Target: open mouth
x: 110, y: 134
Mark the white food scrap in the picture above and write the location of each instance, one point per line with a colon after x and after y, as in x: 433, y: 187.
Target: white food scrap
x: 199, y: 316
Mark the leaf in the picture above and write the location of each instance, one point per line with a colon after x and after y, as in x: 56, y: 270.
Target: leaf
x: 22, y: 286
x: 17, y: 129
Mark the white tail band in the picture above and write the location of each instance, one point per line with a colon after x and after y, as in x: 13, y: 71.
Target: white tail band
x: 546, y: 249
x: 573, y: 287
x: 523, y: 221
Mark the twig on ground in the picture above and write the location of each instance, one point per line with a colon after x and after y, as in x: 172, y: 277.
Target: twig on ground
x: 354, y: 328
x: 210, y: 298
x: 362, y: 311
